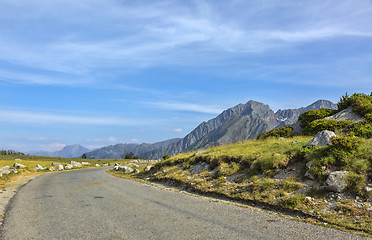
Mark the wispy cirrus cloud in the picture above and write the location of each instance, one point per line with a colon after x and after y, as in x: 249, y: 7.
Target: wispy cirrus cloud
x: 185, y: 106
x: 133, y: 35
x: 16, y: 116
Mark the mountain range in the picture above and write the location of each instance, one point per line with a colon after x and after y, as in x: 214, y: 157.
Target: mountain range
x: 242, y: 122
x: 69, y: 151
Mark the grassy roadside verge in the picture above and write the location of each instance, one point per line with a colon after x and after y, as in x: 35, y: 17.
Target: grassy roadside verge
x: 266, y: 174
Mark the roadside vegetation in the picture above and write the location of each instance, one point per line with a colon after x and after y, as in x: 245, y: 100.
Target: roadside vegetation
x: 278, y: 171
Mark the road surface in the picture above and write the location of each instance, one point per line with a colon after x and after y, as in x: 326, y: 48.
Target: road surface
x: 92, y: 204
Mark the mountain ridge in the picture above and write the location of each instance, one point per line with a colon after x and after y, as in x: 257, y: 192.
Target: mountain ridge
x: 241, y: 122
x: 69, y: 151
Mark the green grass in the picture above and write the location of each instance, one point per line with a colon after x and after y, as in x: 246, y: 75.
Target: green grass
x: 244, y: 171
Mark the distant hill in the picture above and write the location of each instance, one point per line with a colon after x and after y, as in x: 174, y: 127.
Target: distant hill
x: 242, y: 122
x: 69, y: 151
x: 118, y: 151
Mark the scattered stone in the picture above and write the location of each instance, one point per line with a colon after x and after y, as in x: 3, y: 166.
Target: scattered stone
x: 68, y: 166
x: 368, y: 189
x: 136, y: 171
x: 295, y: 142
x: 39, y: 167
x: 199, y: 152
x: 19, y: 166
x: 149, y: 168
x: 309, y: 175
x: 105, y: 164
x: 58, y: 166
x: 97, y: 165
x: 85, y: 163
x: 336, y: 181
x: 322, y: 138
x: 308, y: 164
x: 281, y: 138
x: 17, y: 159
x: 76, y: 164
x: 5, y: 170
x: 52, y: 169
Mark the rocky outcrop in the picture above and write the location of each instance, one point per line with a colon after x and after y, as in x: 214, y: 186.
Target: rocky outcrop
x: 345, y: 115
x: 322, y: 138
x: 336, y: 181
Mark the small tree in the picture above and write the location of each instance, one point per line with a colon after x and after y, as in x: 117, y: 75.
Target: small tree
x: 130, y: 156
x: 84, y: 156
x: 166, y: 156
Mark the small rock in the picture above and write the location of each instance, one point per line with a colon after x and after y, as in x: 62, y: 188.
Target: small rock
x: 368, y: 189
x: 105, y: 164
x: 68, y: 166
x: 336, y: 181
x: 149, y: 168
x: 308, y: 164
x: 85, y: 163
x: 295, y: 142
x: 199, y: 152
x: 19, y: 166
x: 309, y: 175
x: 281, y: 138
x: 97, y: 165
x: 39, y: 167
x: 76, y: 164
x: 308, y: 199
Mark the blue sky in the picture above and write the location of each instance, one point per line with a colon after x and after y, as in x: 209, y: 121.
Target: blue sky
x: 101, y: 72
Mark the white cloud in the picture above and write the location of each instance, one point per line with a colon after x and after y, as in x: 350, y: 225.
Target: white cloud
x: 91, y: 147
x: 49, y: 118
x: 112, y: 139
x: 177, y: 130
x: 134, y: 140
x: 41, y: 139
x: 134, y: 35
x: 51, y: 147
x: 183, y: 106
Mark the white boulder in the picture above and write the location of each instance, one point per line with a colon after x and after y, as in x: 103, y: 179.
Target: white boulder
x: 322, y: 138
x: 19, y: 166
x: 336, y: 181
x: 76, y: 164
x: 68, y: 166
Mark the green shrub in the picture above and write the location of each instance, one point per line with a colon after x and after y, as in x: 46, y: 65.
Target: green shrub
x: 319, y: 125
x: 278, y: 132
x: 362, y: 129
x: 361, y: 166
x: 292, y: 201
x: 312, y: 115
x: 360, y: 102
x: 356, y: 184
x: 290, y: 184
x: 347, y: 144
x: 262, y: 185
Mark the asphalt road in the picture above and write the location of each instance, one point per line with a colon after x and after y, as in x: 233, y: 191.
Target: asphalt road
x: 91, y: 204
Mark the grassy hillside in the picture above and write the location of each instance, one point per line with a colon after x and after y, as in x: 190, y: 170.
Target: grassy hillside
x: 271, y: 171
